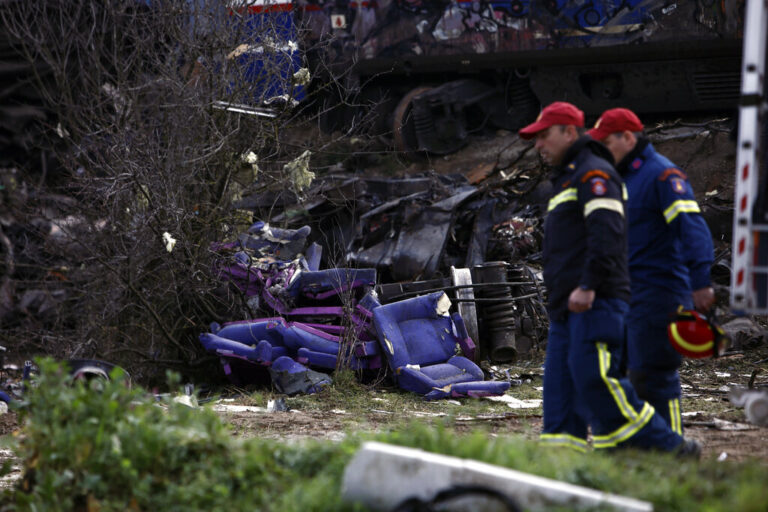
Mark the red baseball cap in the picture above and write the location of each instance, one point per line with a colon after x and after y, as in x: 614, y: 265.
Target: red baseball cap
x: 613, y: 121
x: 558, y: 112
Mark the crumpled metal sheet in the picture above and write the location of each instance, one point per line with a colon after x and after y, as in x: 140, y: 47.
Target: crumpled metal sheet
x: 416, y: 249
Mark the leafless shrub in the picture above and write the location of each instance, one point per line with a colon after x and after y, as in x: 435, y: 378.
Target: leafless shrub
x: 155, y: 158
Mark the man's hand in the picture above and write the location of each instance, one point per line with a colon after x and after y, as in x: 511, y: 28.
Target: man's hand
x: 581, y: 300
x: 703, y: 299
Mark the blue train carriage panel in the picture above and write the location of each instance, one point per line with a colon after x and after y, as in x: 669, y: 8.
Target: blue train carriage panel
x: 648, y: 55
x: 268, y: 65
x: 396, y: 28
x: 652, y: 55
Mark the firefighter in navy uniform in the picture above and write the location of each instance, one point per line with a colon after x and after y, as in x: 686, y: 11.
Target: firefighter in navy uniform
x: 585, y: 272
x: 670, y: 256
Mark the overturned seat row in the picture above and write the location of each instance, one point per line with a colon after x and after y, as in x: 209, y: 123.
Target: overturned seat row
x: 331, y: 318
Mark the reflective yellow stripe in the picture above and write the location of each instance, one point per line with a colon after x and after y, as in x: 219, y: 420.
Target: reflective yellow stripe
x: 681, y: 206
x: 671, y: 405
x: 624, y: 193
x: 625, y: 431
x: 604, y: 204
x: 635, y: 421
x: 568, y: 194
x: 604, y: 358
x: 566, y: 440
x: 675, y: 418
x: 688, y: 346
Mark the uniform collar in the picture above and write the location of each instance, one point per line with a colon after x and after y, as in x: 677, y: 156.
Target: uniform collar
x: 633, y: 160
x: 574, y: 154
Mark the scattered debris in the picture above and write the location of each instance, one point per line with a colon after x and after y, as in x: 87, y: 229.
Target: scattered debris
x: 233, y: 409
x: 333, y: 317
x: 87, y: 369
x: 754, y: 402
x: 744, y: 333
x: 515, y: 403
x: 719, y: 424
x: 277, y: 405
x: 16, y: 379
x: 290, y: 377
x: 188, y: 400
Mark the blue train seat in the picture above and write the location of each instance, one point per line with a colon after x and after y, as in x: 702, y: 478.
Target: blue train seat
x: 421, y: 341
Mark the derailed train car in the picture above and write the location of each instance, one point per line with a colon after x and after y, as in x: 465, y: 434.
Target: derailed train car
x: 440, y: 69
x: 437, y: 70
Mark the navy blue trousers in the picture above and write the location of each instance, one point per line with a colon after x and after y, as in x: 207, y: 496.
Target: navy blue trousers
x: 652, y: 362
x: 582, y: 386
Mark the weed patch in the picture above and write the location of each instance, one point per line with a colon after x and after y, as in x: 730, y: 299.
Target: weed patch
x: 102, y: 446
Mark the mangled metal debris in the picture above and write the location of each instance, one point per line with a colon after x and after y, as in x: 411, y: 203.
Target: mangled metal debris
x: 332, y: 318
x: 403, y: 234
x: 87, y: 369
x: 406, y: 228
x: 16, y: 379
x: 429, y: 226
x: 502, y: 306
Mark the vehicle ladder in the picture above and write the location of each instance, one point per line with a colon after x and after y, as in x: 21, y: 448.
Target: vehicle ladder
x: 749, y: 275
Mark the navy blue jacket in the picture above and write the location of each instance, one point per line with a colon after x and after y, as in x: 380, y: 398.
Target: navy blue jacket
x: 585, y: 233
x: 670, y: 246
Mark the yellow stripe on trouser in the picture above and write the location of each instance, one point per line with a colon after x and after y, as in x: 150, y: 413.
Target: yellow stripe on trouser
x: 566, y: 440
x: 635, y: 421
x: 603, y: 204
x: 681, y: 206
x: 568, y: 194
x: 675, y: 418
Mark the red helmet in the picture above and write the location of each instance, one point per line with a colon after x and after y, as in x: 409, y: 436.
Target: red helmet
x: 696, y: 336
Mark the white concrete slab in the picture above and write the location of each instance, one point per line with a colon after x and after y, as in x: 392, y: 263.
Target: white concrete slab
x: 382, y: 476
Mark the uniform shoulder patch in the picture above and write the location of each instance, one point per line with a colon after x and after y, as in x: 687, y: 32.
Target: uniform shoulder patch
x: 677, y: 184
x: 595, y: 173
x: 598, y: 186
x: 672, y: 172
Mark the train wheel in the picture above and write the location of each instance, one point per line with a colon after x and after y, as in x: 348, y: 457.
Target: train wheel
x: 403, y: 128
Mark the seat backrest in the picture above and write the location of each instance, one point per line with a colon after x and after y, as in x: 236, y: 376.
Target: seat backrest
x: 332, y: 282
x: 416, y: 331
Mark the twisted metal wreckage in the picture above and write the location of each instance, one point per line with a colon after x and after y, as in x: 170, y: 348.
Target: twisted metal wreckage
x: 334, y: 318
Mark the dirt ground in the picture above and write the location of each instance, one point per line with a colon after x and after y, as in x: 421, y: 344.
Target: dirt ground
x: 708, y: 415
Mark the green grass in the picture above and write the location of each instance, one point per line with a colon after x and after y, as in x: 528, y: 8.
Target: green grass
x: 668, y: 483
x: 107, y: 447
